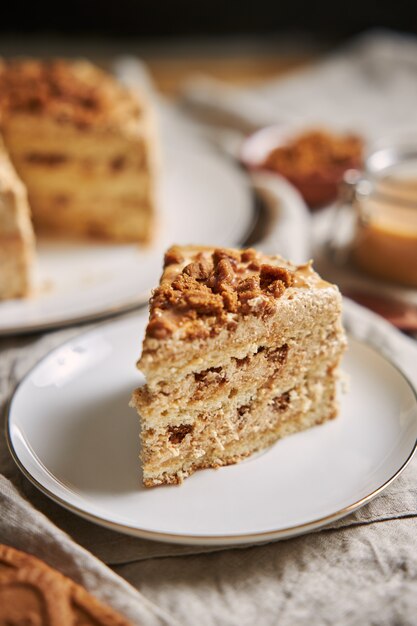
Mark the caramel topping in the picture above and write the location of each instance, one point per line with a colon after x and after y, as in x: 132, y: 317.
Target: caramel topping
x: 306, y: 277
x: 210, y: 285
x: 75, y: 92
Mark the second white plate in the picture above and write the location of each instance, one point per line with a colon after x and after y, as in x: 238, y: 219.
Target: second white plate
x: 204, y: 199
x: 72, y: 433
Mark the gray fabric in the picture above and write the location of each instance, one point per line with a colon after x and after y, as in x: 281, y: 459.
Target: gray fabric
x: 357, y: 576
x: 235, y: 584
x: 369, y: 86
x: 362, y: 569
x: 25, y: 528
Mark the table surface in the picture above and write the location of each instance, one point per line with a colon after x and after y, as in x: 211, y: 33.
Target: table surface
x: 236, y: 60
x: 169, y: 73
x: 360, y: 570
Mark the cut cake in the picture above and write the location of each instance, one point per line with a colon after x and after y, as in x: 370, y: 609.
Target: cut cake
x: 83, y: 147
x: 17, y: 241
x: 240, y: 350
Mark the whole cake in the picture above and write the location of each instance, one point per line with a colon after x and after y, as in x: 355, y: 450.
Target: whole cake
x: 240, y: 349
x: 34, y: 594
x: 83, y: 146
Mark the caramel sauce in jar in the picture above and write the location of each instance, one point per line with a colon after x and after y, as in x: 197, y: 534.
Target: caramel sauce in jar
x: 385, y: 238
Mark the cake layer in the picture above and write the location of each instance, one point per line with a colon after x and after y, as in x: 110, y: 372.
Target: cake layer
x: 120, y: 219
x: 210, y: 304
x: 34, y: 134
x: 293, y: 318
x: 237, y: 380
x: 15, y: 267
x: 53, y: 155
x: 68, y: 179
x: 171, y: 454
x: 16, y: 234
x: 82, y: 184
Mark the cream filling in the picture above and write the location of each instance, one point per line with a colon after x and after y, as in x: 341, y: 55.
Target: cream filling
x: 213, y: 433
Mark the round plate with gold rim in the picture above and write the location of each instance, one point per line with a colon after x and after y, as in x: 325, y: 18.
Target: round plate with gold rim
x: 72, y: 433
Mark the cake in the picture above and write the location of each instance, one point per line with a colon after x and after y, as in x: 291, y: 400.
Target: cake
x: 16, y: 233
x: 33, y: 593
x: 240, y: 350
x: 80, y: 147
x: 83, y: 146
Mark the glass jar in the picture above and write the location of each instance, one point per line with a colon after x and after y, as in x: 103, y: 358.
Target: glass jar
x: 377, y: 233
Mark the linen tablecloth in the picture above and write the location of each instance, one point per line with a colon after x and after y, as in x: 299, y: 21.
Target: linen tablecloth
x: 362, y: 569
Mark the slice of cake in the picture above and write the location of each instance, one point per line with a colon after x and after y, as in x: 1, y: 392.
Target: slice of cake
x: 83, y: 145
x: 240, y: 350
x: 16, y: 233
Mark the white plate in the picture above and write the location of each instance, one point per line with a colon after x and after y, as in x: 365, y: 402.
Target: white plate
x: 204, y: 199
x: 72, y: 433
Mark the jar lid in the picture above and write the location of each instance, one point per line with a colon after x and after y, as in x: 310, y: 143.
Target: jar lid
x: 390, y: 171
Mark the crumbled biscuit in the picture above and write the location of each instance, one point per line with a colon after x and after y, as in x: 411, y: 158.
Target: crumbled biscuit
x: 225, y: 253
x: 200, y: 270
x: 160, y: 328
x: 230, y: 301
x: 213, y: 285
x: 173, y: 256
x: 248, y: 255
x: 32, y: 593
x: 248, y: 289
x: 271, y: 273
